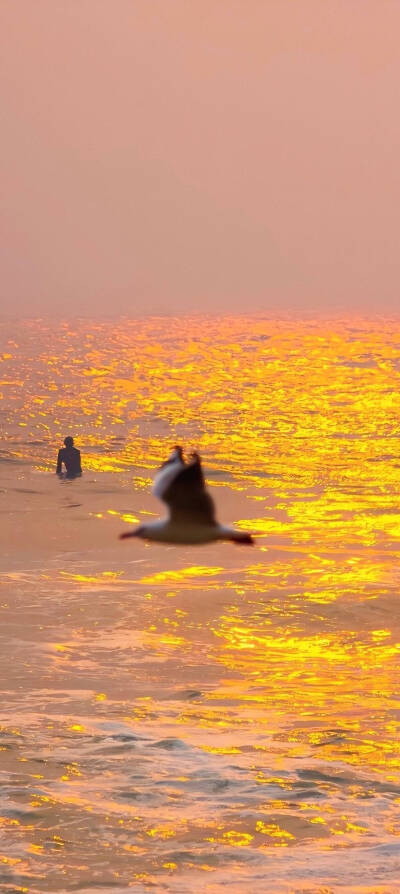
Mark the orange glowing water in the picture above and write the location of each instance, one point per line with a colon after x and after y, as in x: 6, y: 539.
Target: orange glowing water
x: 175, y: 718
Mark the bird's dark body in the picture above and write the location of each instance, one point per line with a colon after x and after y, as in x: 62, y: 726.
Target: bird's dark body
x: 186, y: 496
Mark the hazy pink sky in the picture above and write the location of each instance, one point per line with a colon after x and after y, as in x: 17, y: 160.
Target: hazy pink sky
x: 170, y: 155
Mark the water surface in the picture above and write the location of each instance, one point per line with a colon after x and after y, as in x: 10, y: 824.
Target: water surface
x: 188, y: 719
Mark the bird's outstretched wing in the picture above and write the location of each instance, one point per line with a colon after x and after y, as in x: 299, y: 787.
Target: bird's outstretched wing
x: 167, y: 472
x: 183, y: 490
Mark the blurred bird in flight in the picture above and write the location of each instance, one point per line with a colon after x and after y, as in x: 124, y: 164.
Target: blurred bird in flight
x: 191, y: 518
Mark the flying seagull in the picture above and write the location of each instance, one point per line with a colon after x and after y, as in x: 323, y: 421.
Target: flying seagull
x: 191, y: 518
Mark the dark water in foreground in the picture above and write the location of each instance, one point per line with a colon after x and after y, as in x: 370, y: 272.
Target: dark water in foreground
x: 187, y: 719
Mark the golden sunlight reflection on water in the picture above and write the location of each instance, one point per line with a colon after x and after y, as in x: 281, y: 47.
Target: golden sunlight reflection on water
x: 178, y: 718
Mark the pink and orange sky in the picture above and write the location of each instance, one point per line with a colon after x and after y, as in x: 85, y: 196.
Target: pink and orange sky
x: 190, y: 155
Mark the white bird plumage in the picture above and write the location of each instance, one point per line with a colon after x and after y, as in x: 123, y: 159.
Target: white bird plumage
x: 168, y: 471
x: 181, y: 487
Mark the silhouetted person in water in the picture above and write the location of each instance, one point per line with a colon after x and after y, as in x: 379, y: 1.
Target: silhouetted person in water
x: 71, y: 458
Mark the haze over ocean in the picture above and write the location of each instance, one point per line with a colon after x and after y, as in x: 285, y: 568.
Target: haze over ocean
x: 175, y: 157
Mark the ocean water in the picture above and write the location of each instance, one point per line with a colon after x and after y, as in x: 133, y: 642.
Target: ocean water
x: 201, y: 719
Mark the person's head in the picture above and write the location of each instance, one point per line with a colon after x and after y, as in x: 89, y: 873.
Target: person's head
x: 69, y: 442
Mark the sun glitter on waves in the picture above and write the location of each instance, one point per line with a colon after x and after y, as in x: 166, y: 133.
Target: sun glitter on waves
x: 296, y: 649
